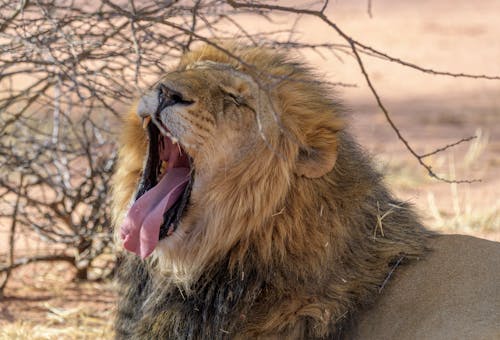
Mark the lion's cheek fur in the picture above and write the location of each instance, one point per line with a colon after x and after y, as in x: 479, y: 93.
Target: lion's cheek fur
x: 234, y: 210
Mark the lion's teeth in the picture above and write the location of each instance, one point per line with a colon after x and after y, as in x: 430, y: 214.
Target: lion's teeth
x: 145, y: 122
x: 163, y: 167
x: 174, y: 140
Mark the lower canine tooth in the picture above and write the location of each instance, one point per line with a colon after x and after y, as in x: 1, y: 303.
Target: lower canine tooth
x: 145, y: 122
x: 163, y: 167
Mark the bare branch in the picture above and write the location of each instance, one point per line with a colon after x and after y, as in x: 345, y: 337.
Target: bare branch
x: 321, y: 15
x: 369, y: 8
x: 395, y: 128
x: 354, y: 44
x: 41, y: 258
x: 22, y: 5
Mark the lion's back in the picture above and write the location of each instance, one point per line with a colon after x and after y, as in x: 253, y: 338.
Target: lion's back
x: 452, y: 294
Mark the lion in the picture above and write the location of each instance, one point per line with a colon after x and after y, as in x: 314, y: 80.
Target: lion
x: 247, y: 210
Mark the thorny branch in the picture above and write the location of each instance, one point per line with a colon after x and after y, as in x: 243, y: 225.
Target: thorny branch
x: 67, y: 70
x: 398, y: 133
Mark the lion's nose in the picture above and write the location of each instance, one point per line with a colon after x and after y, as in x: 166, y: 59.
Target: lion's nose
x: 158, y: 99
x: 168, y: 96
x: 153, y: 102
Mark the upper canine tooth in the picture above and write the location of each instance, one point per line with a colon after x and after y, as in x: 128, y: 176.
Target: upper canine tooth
x: 174, y: 140
x: 145, y: 122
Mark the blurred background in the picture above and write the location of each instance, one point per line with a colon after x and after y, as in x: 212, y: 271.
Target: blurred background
x: 70, y: 69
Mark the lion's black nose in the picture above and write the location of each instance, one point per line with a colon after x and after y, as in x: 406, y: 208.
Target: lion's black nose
x: 162, y: 96
x: 169, y: 97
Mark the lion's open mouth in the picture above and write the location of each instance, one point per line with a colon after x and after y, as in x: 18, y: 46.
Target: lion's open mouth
x: 162, y: 195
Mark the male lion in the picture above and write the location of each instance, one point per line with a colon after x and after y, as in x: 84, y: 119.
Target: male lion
x: 256, y: 215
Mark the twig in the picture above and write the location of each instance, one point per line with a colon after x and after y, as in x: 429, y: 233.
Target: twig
x: 193, y: 25
x: 390, y: 273
x: 463, y: 140
x: 12, y: 233
x: 40, y: 258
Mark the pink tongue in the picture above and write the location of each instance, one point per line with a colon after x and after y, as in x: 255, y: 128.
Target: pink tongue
x: 141, y: 229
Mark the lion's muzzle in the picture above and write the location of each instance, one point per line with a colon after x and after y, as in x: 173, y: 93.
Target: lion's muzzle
x: 165, y: 185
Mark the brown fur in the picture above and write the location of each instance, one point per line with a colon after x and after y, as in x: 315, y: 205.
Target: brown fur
x: 281, y: 238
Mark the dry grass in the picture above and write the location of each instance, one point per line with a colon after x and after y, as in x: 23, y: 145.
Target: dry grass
x: 62, y: 324
x: 76, y: 323
x: 465, y: 218
x: 466, y: 215
x: 453, y: 207
x: 456, y: 208
x: 43, y: 302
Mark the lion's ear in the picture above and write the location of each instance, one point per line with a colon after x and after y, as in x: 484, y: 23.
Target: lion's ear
x: 319, y: 156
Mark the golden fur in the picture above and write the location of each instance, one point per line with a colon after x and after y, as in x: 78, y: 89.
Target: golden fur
x: 281, y: 238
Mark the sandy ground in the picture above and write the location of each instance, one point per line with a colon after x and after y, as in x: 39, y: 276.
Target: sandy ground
x: 431, y: 111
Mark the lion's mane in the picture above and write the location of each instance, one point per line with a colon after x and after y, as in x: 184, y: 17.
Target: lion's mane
x: 290, y: 246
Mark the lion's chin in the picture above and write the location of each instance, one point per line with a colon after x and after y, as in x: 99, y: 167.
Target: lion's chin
x: 162, y: 195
